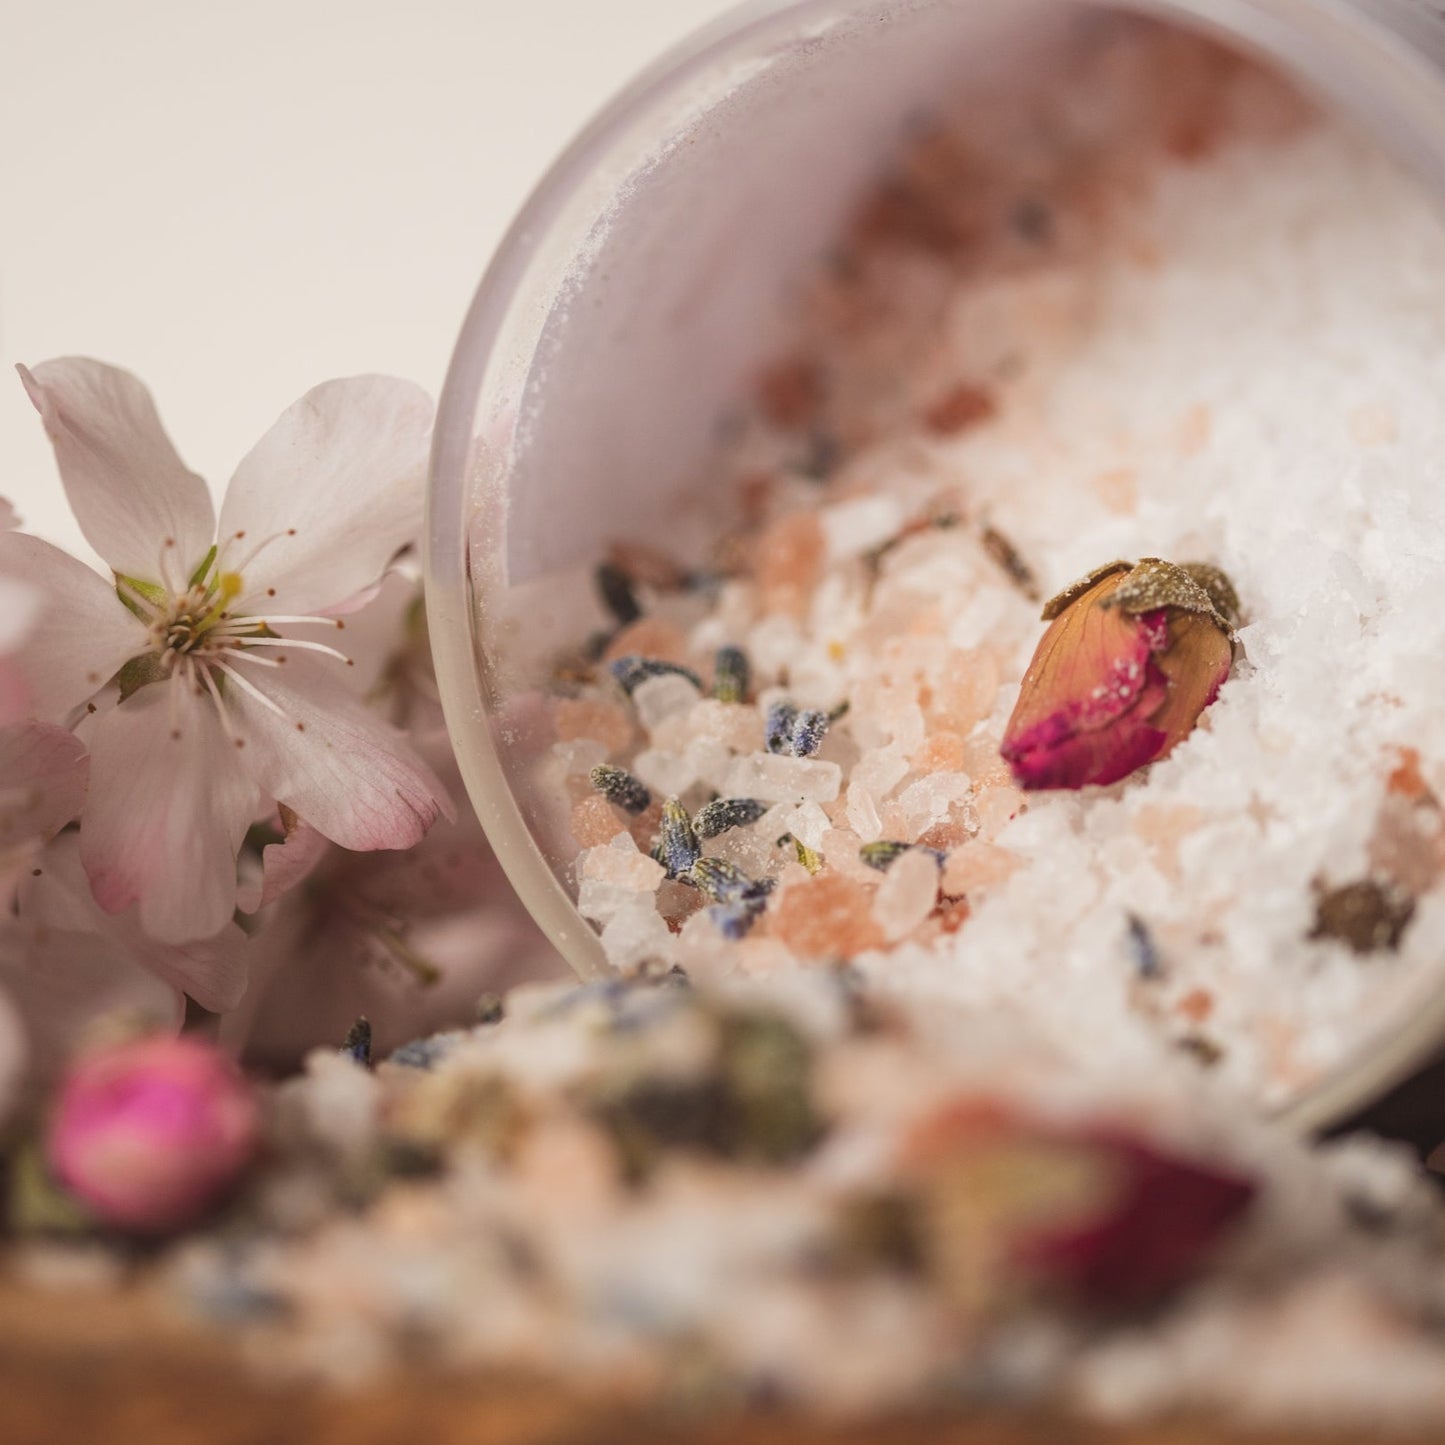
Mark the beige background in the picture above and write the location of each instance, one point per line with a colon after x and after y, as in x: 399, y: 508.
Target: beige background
x: 239, y: 201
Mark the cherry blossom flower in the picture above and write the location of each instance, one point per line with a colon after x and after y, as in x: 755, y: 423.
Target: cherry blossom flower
x: 215, y: 696
x: 410, y: 940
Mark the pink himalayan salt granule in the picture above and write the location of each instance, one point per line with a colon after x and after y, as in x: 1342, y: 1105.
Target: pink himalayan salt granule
x: 788, y: 560
x: 652, y: 637
x: 942, y: 752
x: 976, y: 867
x: 595, y: 822
x: 591, y: 717
x: 827, y: 917
x: 906, y: 896
x: 963, y: 693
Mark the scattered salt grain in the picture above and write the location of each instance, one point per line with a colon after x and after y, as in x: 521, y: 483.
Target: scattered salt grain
x: 775, y: 779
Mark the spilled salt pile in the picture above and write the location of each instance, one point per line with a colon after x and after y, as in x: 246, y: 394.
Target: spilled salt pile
x: 1169, y: 313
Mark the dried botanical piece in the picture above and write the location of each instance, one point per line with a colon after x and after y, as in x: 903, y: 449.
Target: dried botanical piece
x: 1369, y: 915
x: 1132, y: 657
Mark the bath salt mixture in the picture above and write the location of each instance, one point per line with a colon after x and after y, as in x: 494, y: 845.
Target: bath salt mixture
x: 916, y: 1086
x: 788, y: 1193
x: 1167, y: 311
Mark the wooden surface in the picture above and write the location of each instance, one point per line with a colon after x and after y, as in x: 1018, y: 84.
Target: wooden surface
x: 86, y: 1370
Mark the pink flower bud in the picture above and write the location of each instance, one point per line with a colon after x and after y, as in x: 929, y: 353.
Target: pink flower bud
x: 1096, y: 1212
x: 150, y: 1134
x: 1133, y: 656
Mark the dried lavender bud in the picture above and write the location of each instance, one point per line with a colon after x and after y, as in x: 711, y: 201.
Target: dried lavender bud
x: 357, y: 1043
x: 677, y: 843
x: 1143, y: 949
x: 723, y: 814
x: 722, y: 881
x: 631, y: 672
x: 778, y: 727
x: 809, y: 730
x: 618, y: 786
x: 731, y: 675
x: 614, y: 587
x: 491, y: 1008
x: 735, y: 918
x: 1368, y: 915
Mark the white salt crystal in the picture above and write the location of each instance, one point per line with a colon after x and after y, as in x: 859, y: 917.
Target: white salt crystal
x: 907, y: 894
x: 929, y: 800
x: 636, y: 933
x: 623, y: 863
x: 579, y: 756
x: 600, y: 900
x: 659, y: 698
x: 858, y: 525
x: 863, y: 811
x: 665, y: 773
x: 772, y: 778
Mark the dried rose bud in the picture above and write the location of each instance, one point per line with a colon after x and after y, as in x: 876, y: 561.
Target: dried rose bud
x: 1134, y: 655
x: 1099, y: 1213
x: 150, y: 1134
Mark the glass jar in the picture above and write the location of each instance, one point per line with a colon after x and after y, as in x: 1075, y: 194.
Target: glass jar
x: 644, y: 280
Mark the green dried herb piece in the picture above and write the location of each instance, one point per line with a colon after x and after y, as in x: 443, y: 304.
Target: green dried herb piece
x: 883, y: 854
x: 1369, y: 915
x: 1071, y: 594
x: 731, y: 675
x: 810, y: 858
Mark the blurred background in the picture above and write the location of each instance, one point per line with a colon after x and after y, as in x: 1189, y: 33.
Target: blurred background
x: 239, y: 202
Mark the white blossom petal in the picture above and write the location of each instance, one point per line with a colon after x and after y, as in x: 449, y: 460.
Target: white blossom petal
x: 43, y: 772
x: 129, y: 490
x: 328, y: 496
x: 333, y: 761
x: 80, y: 634
x: 284, y: 864
x: 127, y: 968
x: 169, y: 805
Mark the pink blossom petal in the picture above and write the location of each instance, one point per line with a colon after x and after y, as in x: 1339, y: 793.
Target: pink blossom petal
x: 129, y: 490
x: 284, y: 864
x: 57, y: 904
x: 43, y: 772
x: 81, y: 633
x: 329, y: 495
x: 329, y: 758
x: 169, y: 804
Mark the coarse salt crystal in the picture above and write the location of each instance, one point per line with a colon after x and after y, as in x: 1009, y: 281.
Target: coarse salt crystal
x: 621, y: 862
x: 659, y: 698
x: 665, y: 773
x: 773, y: 778
x: 854, y: 527
x: 906, y: 895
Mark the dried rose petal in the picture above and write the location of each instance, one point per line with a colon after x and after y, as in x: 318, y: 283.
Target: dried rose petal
x: 151, y: 1133
x: 1116, y: 682
x: 1097, y: 1212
